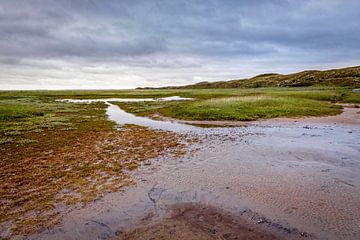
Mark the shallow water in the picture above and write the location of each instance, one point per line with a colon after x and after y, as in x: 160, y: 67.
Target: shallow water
x: 172, y: 98
x: 298, y: 175
x: 115, y: 113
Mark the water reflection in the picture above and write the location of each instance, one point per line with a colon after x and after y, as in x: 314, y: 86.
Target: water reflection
x: 172, y: 98
x: 121, y: 117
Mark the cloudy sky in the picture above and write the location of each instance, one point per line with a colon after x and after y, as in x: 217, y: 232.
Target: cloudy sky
x: 90, y: 44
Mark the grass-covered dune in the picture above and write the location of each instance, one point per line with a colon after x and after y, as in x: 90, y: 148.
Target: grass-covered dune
x: 335, y: 77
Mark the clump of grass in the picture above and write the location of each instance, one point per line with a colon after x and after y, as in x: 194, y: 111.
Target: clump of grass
x: 132, y: 165
x: 13, y: 133
x: 25, y: 141
x: 4, y: 140
x: 67, y: 128
x: 15, y: 111
x: 351, y: 97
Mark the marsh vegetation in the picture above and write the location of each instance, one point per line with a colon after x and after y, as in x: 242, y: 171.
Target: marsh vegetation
x: 56, y: 156
x: 249, y: 104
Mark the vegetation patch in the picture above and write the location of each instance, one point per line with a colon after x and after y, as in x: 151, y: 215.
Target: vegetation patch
x: 53, y: 162
x: 267, y: 104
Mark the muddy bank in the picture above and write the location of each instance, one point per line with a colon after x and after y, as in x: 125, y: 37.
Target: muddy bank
x: 203, y: 222
x: 349, y: 116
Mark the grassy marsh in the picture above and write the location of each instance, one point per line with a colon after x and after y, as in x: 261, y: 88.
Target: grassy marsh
x: 251, y: 108
x: 249, y: 104
x: 54, y: 156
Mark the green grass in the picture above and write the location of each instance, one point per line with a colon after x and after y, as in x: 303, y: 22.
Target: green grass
x: 251, y: 108
x: 237, y: 108
x: 22, y: 108
x: 29, y: 116
x: 250, y: 104
x: 9, y: 111
x: 157, y: 93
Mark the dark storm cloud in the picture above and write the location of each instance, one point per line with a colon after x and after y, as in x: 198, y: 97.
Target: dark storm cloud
x: 197, y: 35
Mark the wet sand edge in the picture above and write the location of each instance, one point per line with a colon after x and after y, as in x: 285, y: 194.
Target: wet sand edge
x: 200, y: 221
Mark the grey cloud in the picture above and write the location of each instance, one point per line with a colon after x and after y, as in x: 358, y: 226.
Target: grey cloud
x: 181, y: 36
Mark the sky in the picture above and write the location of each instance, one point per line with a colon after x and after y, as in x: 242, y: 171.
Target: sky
x: 90, y: 44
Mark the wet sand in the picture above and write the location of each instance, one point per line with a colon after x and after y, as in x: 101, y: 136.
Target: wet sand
x: 349, y: 116
x: 196, y: 221
x: 282, y: 179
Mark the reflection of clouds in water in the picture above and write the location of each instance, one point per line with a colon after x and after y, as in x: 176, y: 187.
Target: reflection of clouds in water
x: 172, y: 98
x: 121, y: 117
